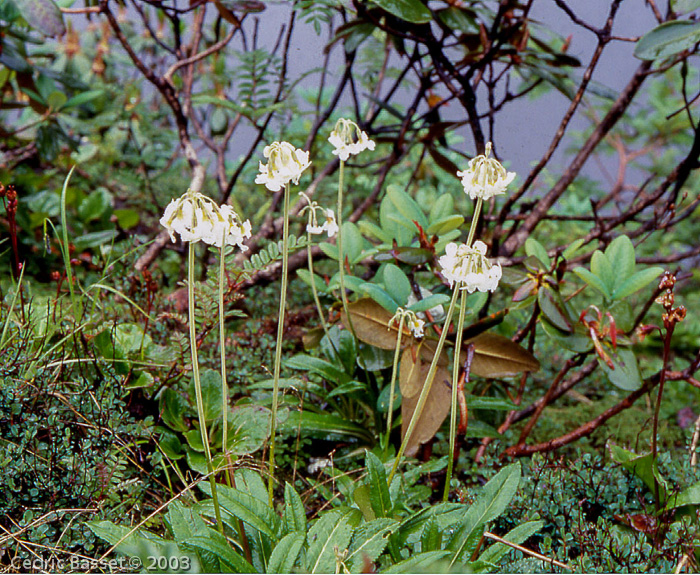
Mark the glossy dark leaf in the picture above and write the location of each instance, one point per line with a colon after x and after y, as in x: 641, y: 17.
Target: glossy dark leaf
x: 553, y: 308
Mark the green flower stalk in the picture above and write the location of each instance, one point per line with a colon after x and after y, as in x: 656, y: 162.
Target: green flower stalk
x: 285, y: 165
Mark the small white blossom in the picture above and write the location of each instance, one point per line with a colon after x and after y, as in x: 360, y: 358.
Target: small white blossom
x: 235, y: 231
x: 486, y: 177
x: 348, y: 140
x: 285, y: 164
x: 469, y: 268
x: 411, y: 321
x: 416, y: 327
x: 330, y: 226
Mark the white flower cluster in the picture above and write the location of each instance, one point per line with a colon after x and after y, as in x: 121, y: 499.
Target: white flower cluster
x: 285, y: 164
x: 349, y: 140
x: 468, y: 267
x: 413, y: 322
x: 486, y: 177
x: 196, y: 217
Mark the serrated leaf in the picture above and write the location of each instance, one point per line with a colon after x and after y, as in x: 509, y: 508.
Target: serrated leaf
x: 368, y: 543
x: 637, y: 282
x: 410, y: 10
x: 246, y: 507
x: 668, y: 39
x: 42, y: 15
x: 294, y: 513
x: 216, y: 544
x: 285, y: 553
x: 431, y: 538
x: 378, y: 489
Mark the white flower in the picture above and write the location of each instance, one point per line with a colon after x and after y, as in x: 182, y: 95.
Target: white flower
x: 196, y: 217
x: 416, y: 326
x: 468, y: 267
x: 330, y: 226
x: 285, y: 164
x: 486, y: 177
x: 411, y: 321
x: 348, y: 140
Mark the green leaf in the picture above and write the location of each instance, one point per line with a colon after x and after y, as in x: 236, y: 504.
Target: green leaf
x: 643, y: 466
x: 329, y: 371
x: 173, y: 407
x: 305, y: 276
x: 325, y: 424
x: 431, y: 538
x: 127, y: 218
x: 418, y: 563
x: 353, y: 242
x: 82, y: 98
x: 396, y: 284
x: 330, y: 534
x: 685, y: 6
x: 572, y: 248
x: 368, y: 543
x: 490, y: 403
x: 518, y: 535
x: 444, y: 225
x: 620, y: 254
x: 601, y: 267
x: 578, y: 341
x: 285, y: 553
x: 429, y: 302
x: 380, y: 295
x: 248, y: 428
x: 246, y: 507
x: 593, y: 280
x: 95, y: 205
x: 217, y: 544
x: 42, y: 15
x: 689, y: 496
x: 95, y: 239
x: 536, y: 249
x: 492, y: 500
x: 378, y: 489
x: 625, y: 373
x: 294, y: 514
x: 668, y: 39
x: 554, y: 309
x: 211, y: 393
x: 637, y: 282
x: 410, y: 10
x: 407, y: 206
x: 361, y: 498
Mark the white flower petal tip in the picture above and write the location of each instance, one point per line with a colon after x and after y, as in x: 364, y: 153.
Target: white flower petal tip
x: 348, y: 140
x: 468, y: 268
x: 485, y: 177
x: 285, y: 164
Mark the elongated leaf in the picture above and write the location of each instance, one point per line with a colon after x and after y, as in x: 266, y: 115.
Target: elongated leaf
x: 247, y: 508
x: 554, y: 309
x: 431, y: 538
x: 434, y: 300
x: 285, y: 553
x: 325, y: 369
x: 491, y: 403
x: 637, y: 282
x: 497, y: 356
x: 419, y: 563
x: 381, y: 296
x: 371, y: 324
x: 620, y: 254
x: 535, y: 248
x: 683, y: 6
x: 397, y: 284
x: 492, y: 500
x: 83, y: 98
x: 405, y: 204
x: 689, y: 496
x: 330, y: 534
x: 601, y: 267
x: 593, y: 280
x: 625, y: 374
x: 368, y: 542
x: 445, y: 225
x: 294, y: 514
x: 216, y: 544
x: 325, y: 424
x: 378, y: 489
x: 668, y: 39
x: 43, y: 15
x: 643, y: 466
x: 518, y: 535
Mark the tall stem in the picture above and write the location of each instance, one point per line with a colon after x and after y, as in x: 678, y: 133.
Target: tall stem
x: 198, y: 384
x: 278, y: 347
x: 475, y: 219
x: 426, y: 386
x: 222, y: 352
x: 339, y: 244
x: 455, y: 391
x: 317, y: 301
x: 390, y: 409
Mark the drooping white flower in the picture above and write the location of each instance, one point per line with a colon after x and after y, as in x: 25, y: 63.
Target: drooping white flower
x: 416, y: 327
x: 235, y: 231
x: 410, y: 320
x: 348, y: 140
x: 486, y: 177
x: 285, y: 164
x: 330, y: 226
x: 468, y: 267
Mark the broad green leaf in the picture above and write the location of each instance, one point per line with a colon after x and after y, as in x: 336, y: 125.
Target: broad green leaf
x: 173, y: 407
x: 360, y: 496
x: 329, y: 371
x: 536, y: 249
x: 250, y: 482
x: 429, y: 302
x: 625, y: 374
x: 381, y: 296
x: 217, y: 544
x: 685, y: 6
x: 353, y: 242
x: 410, y: 10
x: 211, y: 394
x: 643, y: 466
x: 370, y: 229
x: 368, y: 542
x: 479, y: 429
x: 601, y: 267
x: 372, y: 324
x: 294, y: 513
x: 444, y: 225
x: 378, y: 489
x: 95, y: 239
x: 553, y: 308
x: 572, y: 248
x: 593, y: 280
x: 689, y: 496
x: 387, y: 219
x: 305, y: 276
x: 330, y: 534
x: 620, y: 254
x: 325, y: 424
x: 668, y: 39
x: 578, y: 341
x: 94, y: 206
x: 285, y: 553
x: 492, y: 500
x: 397, y: 284
x: 248, y: 428
x: 245, y: 507
x: 127, y: 218
x: 82, y: 98
x: 347, y: 388
x: 43, y: 15
x: 126, y: 540
x: 518, y: 535
x: 342, y: 344
x: 637, y: 282
x: 419, y: 563
x: 407, y: 206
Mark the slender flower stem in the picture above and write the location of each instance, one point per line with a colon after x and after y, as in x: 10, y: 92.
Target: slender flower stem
x: 426, y: 386
x: 198, y: 384
x: 317, y: 301
x: 475, y: 219
x: 339, y: 244
x: 390, y: 409
x: 224, y: 383
x: 455, y: 390
x: 278, y: 347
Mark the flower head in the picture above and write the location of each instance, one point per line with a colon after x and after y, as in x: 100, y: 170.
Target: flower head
x: 468, y: 267
x: 413, y: 323
x: 416, y: 327
x: 196, y: 217
x: 285, y: 164
x: 486, y: 177
x: 348, y: 139
x: 329, y: 226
